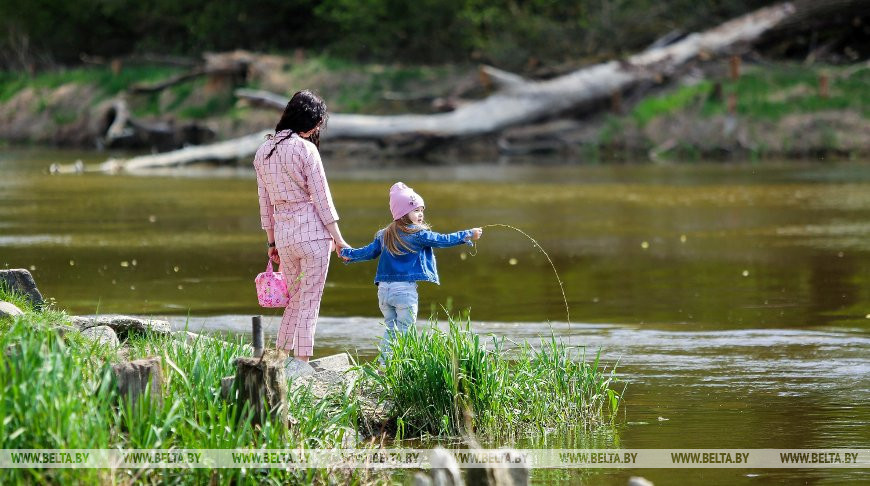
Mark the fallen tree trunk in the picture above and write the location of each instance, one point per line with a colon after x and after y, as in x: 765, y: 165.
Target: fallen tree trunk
x: 518, y: 102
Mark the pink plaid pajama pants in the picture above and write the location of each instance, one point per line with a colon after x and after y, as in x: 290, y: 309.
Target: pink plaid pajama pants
x: 300, y: 316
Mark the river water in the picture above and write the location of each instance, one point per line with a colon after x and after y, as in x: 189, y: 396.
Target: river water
x: 734, y: 298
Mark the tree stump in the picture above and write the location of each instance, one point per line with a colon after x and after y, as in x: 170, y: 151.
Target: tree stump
x: 262, y: 384
x: 227, y: 387
x: 136, y: 378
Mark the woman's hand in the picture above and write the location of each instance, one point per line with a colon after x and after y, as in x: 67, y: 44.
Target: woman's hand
x: 273, y: 255
x: 338, y: 246
x: 476, y: 233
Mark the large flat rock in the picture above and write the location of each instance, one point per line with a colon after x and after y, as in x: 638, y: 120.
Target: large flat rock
x: 123, y: 325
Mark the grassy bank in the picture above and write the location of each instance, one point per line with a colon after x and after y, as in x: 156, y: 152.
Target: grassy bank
x: 777, y: 110
x: 57, y: 392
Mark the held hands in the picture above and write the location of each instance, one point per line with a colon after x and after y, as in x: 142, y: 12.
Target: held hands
x: 338, y: 247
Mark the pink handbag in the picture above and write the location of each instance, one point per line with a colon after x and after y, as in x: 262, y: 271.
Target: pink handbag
x: 272, y: 288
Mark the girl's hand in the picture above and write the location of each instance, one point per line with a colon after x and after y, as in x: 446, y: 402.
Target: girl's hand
x: 476, y: 233
x: 273, y: 255
x: 338, y: 246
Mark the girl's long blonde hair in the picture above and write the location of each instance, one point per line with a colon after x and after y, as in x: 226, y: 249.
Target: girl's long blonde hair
x: 393, y: 241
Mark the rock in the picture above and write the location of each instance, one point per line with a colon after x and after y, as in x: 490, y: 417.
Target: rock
x: 8, y: 309
x: 64, y: 329
x: 422, y: 479
x: 639, y: 481
x: 512, y: 476
x: 445, y: 470
x: 339, y: 361
x: 376, y: 418
x: 326, y: 382
x: 134, y: 378
x: 21, y: 282
x: 103, y: 335
x: 122, y: 325
x: 295, y: 368
x: 501, y: 476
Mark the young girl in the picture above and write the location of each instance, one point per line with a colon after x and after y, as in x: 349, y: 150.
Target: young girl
x: 406, y: 257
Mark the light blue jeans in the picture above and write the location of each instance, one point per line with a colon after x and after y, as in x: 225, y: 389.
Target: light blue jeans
x: 398, y: 302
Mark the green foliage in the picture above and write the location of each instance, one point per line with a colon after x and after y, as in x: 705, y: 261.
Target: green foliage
x: 447, y: 383
x: 100, y: 77
x: 508, y: 32
x: 667, y: 104
x: 212, y: 106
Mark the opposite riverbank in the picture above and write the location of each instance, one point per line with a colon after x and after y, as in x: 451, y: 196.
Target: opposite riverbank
x: 768, y: 110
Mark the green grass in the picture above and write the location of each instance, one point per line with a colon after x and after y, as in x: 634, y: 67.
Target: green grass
x: 213, y: 106
x: 667, y: 104
x: 57, y: 392
x: 767, y: 93
x: 450, y: 384
x: 100, y: 76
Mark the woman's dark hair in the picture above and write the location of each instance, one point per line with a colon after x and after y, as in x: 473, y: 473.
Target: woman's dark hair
x: 305, y: 111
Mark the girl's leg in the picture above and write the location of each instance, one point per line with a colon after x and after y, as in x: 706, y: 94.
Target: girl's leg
x: 290, y: 267
x: 406, y: 301
x: 314, y: 262
x: 389, y: 313
x: 401, y: 299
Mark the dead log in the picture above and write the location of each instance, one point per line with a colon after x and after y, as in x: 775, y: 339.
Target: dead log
x: 261, y: 383
x: 136, y: 378
x: 233, y: 65
x: 261, y: 97
x: 518, y: 102
x: 229, y: 150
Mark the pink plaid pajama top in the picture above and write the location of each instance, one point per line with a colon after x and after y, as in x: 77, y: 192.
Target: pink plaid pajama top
x: 294, y: 196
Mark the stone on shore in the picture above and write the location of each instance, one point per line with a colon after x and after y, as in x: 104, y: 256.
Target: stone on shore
x: 295, y: 369
x: 104, y: 335
x: 123, y: 325
x: 21, y: 282
x: 339, y: 362
x: 501, y: 476
x: 8, y: 309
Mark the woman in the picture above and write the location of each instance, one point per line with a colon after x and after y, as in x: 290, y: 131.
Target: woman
x: 297, y: 212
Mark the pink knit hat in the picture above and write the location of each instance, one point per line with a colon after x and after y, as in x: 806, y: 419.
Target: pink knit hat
x: 403, y: 200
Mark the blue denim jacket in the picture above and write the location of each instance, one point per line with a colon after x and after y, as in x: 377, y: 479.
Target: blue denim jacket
x: 415, y: 265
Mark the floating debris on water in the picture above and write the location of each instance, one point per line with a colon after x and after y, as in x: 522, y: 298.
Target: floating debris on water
x: 32, y: 268
x: 746, y: 273
x: 133, y: 262
x: 72, y: 263
x: 463, y: 256
x: 152, y: 219
x: 125, y: 264
x: 175, y: 269
x: 644, y: 245
x: 512, y: 261
x: 682, y: 238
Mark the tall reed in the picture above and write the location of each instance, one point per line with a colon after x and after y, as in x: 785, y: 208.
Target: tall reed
x: 450, y: 383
